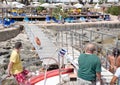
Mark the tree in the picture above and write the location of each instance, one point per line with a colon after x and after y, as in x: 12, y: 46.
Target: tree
x: 41, y: 1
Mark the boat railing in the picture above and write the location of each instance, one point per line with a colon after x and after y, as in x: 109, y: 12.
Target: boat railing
x: 76, y: 39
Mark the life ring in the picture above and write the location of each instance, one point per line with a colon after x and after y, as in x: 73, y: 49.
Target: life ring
x: 37, y: 40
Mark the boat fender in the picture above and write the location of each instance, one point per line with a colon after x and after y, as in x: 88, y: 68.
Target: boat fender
x: 37, y: 40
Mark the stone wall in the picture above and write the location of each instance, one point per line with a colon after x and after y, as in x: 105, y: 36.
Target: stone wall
x: 8, y: 33
x: 68, y: 26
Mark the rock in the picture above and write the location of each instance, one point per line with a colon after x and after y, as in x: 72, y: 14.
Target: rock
x: 21, y: 27
x: 98, y: 40
x: 7, y: 56
x: 7, y: 48
x: 119, y: 37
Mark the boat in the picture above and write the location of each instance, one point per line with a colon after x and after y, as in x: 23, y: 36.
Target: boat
x: 50, y: 77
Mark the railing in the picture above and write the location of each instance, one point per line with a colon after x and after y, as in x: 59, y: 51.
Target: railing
x: 78, y: 38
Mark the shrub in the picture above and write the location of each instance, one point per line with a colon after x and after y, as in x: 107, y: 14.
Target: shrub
x: 59, y: 11
x: 40, y: 8
x: 114, y: 10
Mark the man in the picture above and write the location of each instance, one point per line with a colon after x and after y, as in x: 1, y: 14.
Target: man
x: 116, y: 77
x: 89, y: 66
x: 15, y: 67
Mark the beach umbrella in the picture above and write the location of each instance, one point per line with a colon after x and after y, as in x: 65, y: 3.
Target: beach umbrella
x: 104, y: 5
x: 4, y: 7
x: 32, y: 6
x: 35, y: 2
x: 17, y: 5
x: 116, y: 4
x: 78, y: 5
x: 30, y: 11
x: 58, y: 4
x: 96, y: 6
x: 47, y: 5
x: 67, y: 6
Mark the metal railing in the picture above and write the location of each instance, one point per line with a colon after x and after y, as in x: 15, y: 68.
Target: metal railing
x: 78, y: 38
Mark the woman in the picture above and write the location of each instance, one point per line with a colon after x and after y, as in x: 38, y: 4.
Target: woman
x: 114, y: 60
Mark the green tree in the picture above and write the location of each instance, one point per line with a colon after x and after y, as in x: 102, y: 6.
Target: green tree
x: 114, y: 10
x: 59, y: 11
x: 41, y: 1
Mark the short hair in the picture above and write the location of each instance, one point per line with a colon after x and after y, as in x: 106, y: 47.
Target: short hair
x: 116, y: 52
x: 18, y: 45
x: 90, y: 47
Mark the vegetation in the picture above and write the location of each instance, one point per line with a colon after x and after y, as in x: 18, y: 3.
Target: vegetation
x: 40, y: 8
x: 41, y: 1
x: 59, y: 11
x: 114, y: 10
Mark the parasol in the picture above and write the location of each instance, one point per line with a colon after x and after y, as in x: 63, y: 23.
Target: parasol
x: 78, y: 5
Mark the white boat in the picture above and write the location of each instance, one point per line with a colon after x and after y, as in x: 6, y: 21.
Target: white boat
x: 53, y: 77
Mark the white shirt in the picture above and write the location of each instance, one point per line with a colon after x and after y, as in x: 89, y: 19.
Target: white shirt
x: 117, y: 74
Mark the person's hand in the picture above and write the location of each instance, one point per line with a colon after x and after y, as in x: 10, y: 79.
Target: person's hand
x: 9, y: 74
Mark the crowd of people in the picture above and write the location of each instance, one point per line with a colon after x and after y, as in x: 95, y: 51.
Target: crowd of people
x: 89, y: 66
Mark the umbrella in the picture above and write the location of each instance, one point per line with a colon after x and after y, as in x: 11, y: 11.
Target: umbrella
x: 67, y: 6
x: 116, y: 4
x: 78, y: 5
x: 35, y: 2
x: 58, y: 4
x: 104, y: 5
x: 2, y: 6
x: 32, y: 6
x: 47, y: 5
x: 96, y: 6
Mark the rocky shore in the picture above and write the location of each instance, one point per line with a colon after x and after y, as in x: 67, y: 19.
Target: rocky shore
x: 27, y: 54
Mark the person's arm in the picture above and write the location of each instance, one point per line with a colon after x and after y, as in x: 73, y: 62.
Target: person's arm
x: 118, y: 62
x: 113, y: 80
x: 98, y: 71
x: 115, y: 77
x: 9, y: 68
x: 98, y: 74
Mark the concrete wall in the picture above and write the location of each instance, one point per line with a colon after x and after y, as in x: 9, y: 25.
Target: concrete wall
x: 8, y: 33
x: 83, y: 25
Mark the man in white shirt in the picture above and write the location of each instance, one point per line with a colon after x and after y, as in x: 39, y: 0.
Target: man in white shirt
x: 116, y: 77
